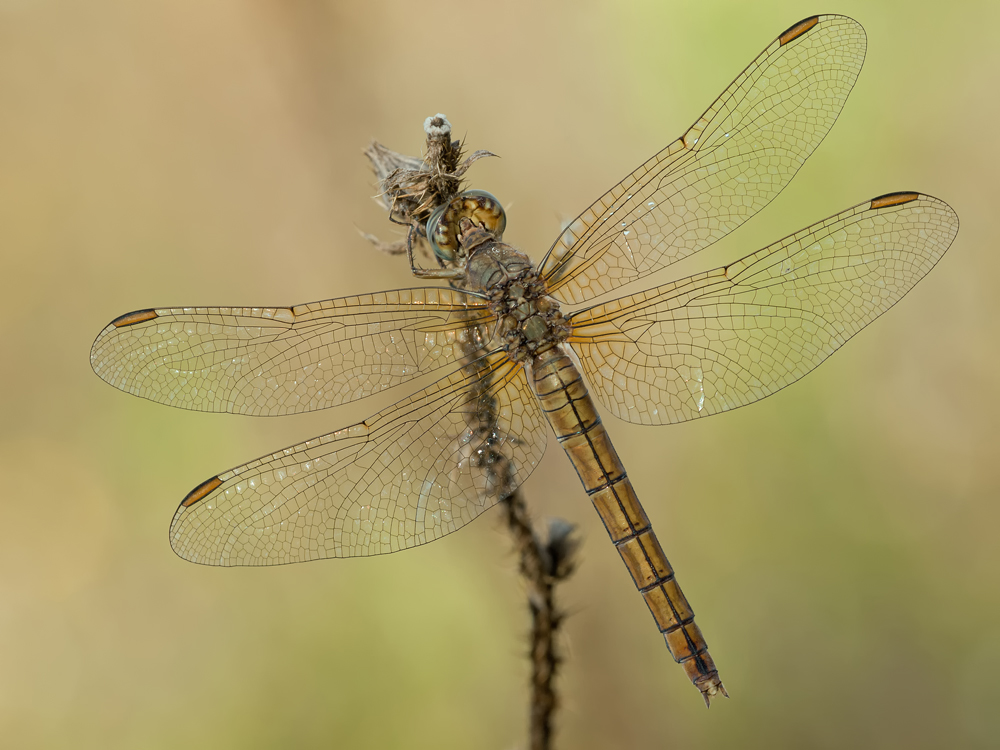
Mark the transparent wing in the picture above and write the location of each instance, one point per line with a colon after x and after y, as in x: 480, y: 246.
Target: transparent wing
x: 277, y: 360
x: 726, y: 338
x: 410, y: 474
x: 723, y: 170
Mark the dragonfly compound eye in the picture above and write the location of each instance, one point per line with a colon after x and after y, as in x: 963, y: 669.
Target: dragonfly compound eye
x: 480, y: 207
x: 443, y: 241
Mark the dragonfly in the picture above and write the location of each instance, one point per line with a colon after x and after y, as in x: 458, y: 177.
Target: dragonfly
x: 522, y: 349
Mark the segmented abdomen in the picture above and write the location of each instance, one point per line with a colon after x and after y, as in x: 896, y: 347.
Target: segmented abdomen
x: 567, y: 405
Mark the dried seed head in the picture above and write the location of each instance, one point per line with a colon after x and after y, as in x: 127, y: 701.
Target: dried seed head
x: 412, y: 188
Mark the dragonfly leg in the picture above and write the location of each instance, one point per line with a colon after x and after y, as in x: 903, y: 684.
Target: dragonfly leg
x: 429, y: 273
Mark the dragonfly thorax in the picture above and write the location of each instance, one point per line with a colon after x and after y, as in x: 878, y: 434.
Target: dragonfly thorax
x: 493, y: 265
x: 529, y: 320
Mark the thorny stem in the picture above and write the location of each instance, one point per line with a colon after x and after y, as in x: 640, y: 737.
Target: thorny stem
x: 542, y: 566
x: 411, y: 189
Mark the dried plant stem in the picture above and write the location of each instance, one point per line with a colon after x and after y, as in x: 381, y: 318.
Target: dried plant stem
x: 411, y: 189
x: 536, y: 566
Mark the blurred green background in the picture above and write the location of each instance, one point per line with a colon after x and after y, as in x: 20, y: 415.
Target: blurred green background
x: 839, y: 542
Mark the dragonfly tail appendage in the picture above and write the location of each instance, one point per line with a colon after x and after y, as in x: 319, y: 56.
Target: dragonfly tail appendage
x: 570, y: 410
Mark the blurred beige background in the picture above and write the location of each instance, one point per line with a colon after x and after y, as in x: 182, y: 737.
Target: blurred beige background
x: 839, y: 541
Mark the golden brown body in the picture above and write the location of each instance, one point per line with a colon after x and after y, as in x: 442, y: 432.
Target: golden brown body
x: 534, y: 331
x: 570, y: 411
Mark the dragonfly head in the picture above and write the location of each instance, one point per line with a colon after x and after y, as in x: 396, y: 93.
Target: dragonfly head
x: 472, y: 218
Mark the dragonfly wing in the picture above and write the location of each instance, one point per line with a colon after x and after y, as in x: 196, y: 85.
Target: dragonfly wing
x: 728, y: 337
x: 723, y: 170
x: 421, y: 469
x: 269, y: 361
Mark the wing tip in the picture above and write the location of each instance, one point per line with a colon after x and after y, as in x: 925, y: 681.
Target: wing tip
x: 796, y: 30
x: 902, y: 197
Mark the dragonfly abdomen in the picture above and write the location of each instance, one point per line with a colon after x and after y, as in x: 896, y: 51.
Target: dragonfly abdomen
x: 568, y: 407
